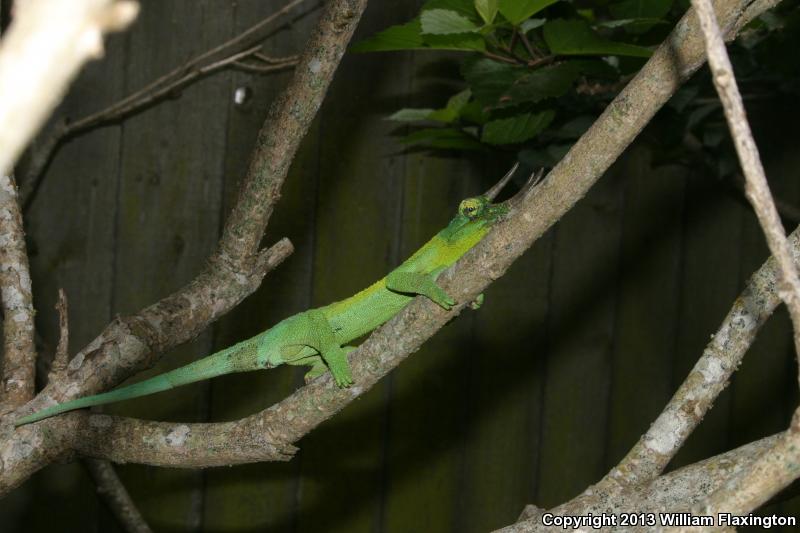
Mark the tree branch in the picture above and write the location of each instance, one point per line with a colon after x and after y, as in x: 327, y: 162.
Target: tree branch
x: 116, y: 496
x: 675, y: 491
x: 19, y: 351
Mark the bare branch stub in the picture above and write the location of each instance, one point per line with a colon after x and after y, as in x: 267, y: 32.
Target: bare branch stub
x: 61, y: 357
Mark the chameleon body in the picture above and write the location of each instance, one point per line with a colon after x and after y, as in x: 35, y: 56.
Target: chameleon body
x: 319, y: 337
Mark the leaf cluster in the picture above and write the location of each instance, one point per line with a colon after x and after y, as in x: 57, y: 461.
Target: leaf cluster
x: 534, y: 74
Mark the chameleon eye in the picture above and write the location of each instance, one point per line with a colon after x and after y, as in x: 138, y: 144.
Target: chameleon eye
x: 470, y: 208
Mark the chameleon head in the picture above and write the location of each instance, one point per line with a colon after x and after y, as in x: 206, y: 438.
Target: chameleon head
x: 480, y: 208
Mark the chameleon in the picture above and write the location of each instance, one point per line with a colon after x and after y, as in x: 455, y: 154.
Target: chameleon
x: 319, y: 337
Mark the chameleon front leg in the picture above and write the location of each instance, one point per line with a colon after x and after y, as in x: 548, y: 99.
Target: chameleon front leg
x: 417, y: 283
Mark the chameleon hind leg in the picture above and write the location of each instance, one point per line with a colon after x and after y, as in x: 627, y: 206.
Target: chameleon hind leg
x: 316, y: 332
x: 318, y: 366
x: 417, y: 283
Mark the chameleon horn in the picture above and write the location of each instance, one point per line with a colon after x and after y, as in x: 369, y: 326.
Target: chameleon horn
x: 492, y: 193
x: 533, y: 180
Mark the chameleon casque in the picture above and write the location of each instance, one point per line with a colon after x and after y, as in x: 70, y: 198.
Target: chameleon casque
x: 319, y: 337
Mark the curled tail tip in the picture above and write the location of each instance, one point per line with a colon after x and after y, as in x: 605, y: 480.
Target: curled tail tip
x: 35, y: 417
x: 25, y: 420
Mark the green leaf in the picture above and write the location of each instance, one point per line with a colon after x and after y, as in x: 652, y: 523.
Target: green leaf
x: 445, y: 22
x: 640, y: 9
x: 401, y: 37
x: 643, y: 12
x: 487, y: 9
x: 515, y: 11
x: 488, y: 79
x: 498, y: 84
x: 623, y: 23
x: 465, y: 42
x: 516, y: 129
x: 531, y: 24
x: 411, y: 115
x: 452, y: 111
x: 445, y: 138
x: 462, y: 7
x: 475, y: 113
x: 546, y: 82
x: 409, y: 37
x: 576, y: 37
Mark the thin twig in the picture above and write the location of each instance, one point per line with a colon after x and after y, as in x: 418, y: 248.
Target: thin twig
x: 527, y: 44
x: 263, y: 69
x: 61, y: 357
x: 276, y: 60
x: 116, y: 496
x: 209, y: 62
x: 545, y: 60
x: 498, y: 57
x: 756, y: 186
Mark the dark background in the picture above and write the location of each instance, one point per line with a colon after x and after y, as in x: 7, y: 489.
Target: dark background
x: 528, y: 400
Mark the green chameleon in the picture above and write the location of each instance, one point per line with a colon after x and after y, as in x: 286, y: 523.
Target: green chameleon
x: 319, y: 337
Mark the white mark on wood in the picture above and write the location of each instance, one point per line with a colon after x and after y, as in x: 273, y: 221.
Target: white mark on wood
x: 712, y: 369
x: 177, y: 437
x: 666, y: 432
x: 315, y: 65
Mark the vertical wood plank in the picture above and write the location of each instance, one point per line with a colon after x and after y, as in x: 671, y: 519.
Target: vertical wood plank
x: 428, y: 412
x: 708, y: 285
x: 644, y: 336
x: 503, y: 394
x: 584, y: 285
x: 357, y: 227
x: 263, y: 496
x: 168, y: 222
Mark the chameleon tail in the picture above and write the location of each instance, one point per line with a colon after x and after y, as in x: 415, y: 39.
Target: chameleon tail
x: 214, y: 365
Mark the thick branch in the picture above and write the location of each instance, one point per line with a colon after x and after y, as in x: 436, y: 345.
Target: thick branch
x: 758, y: 481
x: 19, y: 351
x: 673, y: 492
x: 708, y: 378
